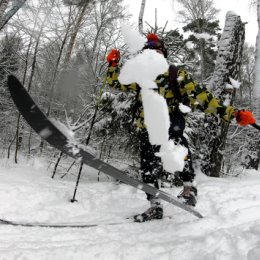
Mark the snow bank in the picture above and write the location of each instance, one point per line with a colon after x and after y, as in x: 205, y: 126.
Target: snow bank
x: 254, y: 254
x: 230, y: 229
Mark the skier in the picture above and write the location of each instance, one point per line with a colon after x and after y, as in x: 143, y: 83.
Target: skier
x: 177, y: 87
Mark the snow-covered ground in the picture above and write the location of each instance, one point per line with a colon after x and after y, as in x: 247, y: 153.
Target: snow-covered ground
x: 229, y: 230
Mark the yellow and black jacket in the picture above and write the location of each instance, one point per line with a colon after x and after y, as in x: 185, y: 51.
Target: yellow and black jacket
x: 199, y: 97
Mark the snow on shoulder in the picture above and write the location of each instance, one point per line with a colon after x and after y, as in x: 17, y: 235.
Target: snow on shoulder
x: 143, y: 69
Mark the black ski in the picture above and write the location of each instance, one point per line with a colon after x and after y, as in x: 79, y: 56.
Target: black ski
x: 129, y: 220
x: 60, y: 225
x: 54, y: 136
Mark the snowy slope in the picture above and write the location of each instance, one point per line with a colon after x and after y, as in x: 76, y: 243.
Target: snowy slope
x: 230, y: 229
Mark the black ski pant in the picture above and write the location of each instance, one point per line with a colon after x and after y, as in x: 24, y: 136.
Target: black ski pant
x: 151, y: 166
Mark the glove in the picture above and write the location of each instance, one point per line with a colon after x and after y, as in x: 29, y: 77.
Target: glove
x: 244, y: 117
x: 113, y: 57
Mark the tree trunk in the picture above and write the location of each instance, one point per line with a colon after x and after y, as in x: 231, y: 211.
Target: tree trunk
x: 3, y: 6
x: 72, y: 41
x: 256, y: 86
x: 254, y: 160
x: 141, y: 16
x: 227, y: 65
x: 202, y: 61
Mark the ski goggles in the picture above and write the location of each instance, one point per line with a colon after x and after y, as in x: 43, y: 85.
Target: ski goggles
x: 153, y: 45
x: 156, y: 45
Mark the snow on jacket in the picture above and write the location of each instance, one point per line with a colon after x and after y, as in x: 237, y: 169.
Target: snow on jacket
x: 199, y: 97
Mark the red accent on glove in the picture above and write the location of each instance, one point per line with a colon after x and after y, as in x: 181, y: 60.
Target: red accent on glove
x: 245, y: 117
x: 113, y: 57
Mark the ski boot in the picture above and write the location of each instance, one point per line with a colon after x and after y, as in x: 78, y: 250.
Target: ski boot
x: 188, y: 195
x: 154, y: 212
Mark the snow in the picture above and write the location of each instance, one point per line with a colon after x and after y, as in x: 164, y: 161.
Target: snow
x: 229, y: 87
x: 227, y: 102
x: 189, y: 45
x: 65, y: 130
x: 156, y: 117
x: 172, y: 156
x: 135, y: 40
x: 230, y: 229
x: 205, y: 36
x: 107, y: 95
x: 184, y: 109
x: 45, y: 133
x: 235, y: 83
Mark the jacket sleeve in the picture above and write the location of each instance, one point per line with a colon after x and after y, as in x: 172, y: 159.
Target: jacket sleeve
x: 202, y: 98
x: 113, y: 82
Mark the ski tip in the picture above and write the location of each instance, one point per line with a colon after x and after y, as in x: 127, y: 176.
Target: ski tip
x: 199, y: 215
x: 11, y: 78
x: 12, y: 81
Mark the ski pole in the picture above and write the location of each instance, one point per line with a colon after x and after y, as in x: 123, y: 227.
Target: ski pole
x: 88, y: 138
x: 256, y: 126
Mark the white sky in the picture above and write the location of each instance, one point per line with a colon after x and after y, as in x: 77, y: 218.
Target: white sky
x: 166, y: 11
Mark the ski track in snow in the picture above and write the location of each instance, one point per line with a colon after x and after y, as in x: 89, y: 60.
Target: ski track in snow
x: 229, y: 230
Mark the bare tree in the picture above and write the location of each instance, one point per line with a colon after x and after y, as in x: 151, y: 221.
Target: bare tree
x: 141, y: 17
x: 257, y: 63
x: 77, y: 2
x: 78, y: 24
x: 197, y: 9
x: 6, y: 16
x: 32, y: 73
x: 104, y: 35
x: 199, y: 12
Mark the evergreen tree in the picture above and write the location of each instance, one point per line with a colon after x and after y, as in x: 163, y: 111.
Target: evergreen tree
x: 206, y: 39
x: 198, y: 15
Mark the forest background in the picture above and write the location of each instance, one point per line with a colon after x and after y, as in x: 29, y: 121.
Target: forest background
x: 58, y: 48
